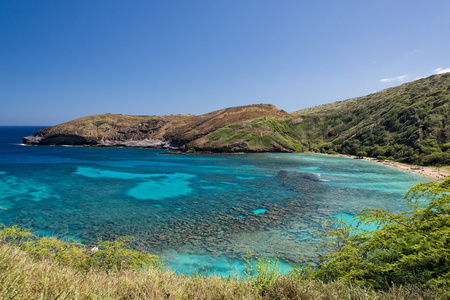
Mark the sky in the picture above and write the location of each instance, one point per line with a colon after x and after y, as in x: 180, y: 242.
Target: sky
x: 62, y: 60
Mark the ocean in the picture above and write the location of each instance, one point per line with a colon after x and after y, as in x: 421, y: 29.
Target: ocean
x: 201, y: 213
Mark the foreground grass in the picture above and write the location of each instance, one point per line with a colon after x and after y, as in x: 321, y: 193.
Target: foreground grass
x: 24, y: 277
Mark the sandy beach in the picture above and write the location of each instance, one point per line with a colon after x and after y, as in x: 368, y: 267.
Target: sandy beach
x: 429, y: 172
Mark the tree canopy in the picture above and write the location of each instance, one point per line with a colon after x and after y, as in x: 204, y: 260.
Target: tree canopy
x: 407, y: 248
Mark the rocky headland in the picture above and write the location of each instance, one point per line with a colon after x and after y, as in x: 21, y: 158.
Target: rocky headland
x: 185, y: 133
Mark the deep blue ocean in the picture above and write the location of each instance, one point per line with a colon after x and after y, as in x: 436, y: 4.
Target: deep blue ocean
x: 202, y: 213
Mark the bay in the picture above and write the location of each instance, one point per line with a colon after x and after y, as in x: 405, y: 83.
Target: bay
x: 202, y: 213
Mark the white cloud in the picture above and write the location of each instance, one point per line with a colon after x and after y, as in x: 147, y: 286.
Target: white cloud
x: 397, y: 78
x: 441, y: 70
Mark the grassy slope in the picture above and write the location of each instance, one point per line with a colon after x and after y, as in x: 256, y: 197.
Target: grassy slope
x: 274, y: 134
x: 22, y: 277
x: 408, y: 123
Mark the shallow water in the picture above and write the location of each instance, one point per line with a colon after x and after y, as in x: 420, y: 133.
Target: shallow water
x: 203, y: 213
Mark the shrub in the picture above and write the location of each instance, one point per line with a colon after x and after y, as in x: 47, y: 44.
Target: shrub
x: 104, y: 255
x: 262, y: 270
x: 408, y: 248
x: 117, y: 255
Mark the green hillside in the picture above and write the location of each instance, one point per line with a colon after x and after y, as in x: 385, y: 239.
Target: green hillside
x: 408, y: 123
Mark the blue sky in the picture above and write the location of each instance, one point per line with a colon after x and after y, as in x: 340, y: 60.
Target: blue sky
x: 61, y: 60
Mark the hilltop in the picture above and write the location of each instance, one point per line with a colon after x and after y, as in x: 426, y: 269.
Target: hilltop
x: 407, y: 123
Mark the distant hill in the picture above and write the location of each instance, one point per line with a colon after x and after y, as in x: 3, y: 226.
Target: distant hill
x: 408, y: 123
x: 179, y: 132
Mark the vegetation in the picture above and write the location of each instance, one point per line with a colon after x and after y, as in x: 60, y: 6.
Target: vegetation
x: 408, y: 257
x: 24, y: 277
x: 408, y: 123
x: 408, y: 248
x: 263, y: 133
x: 162, y: 117
x: 262, y: 271
x: 104, y: 255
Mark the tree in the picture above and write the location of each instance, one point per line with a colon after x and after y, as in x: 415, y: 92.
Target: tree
x: 361, y: 154
x: 407, y: 248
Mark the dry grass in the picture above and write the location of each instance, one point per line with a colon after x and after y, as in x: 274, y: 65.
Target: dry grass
x: 22, y: 277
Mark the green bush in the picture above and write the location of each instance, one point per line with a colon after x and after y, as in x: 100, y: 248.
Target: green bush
x: 442, y: 158
x: 412, y: 248
x: 105, y: 255
x: 262, y: 270
x: 117, y: 255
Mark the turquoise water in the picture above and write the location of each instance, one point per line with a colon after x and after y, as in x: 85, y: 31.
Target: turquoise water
x: 202, y: 213
x: 350, y: 220
x: 259, y: 211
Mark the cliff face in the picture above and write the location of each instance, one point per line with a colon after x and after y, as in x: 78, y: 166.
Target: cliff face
x: 184, y: 133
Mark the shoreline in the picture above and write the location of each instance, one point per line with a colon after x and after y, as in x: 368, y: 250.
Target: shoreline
x: 429, y: 172
x: 433, y: 173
